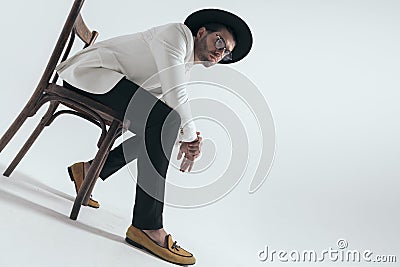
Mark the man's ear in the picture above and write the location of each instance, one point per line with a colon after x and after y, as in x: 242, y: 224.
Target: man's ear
x: 201, y: 31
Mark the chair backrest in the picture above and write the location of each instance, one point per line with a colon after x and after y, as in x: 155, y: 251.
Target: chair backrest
x: 74, y: 25
x: 87, y: 36
x: 83, y: 32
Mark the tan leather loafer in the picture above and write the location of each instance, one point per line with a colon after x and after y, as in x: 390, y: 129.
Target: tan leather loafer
x: 77, y: 174
x: 172, y: 253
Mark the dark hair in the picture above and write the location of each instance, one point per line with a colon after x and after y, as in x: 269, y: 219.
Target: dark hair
x: 216, y: 27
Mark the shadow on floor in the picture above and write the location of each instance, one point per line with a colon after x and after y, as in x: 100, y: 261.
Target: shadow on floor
x: 30, y: 184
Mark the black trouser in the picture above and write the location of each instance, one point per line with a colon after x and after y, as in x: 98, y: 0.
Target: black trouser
x: 156, y: 126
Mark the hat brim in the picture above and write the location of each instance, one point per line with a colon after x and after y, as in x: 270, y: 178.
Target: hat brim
x: 244, y: 38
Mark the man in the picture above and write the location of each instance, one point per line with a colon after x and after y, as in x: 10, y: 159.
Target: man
x: 142, y: 76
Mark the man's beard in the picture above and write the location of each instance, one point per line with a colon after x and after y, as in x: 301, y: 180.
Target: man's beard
x: 204, y: 54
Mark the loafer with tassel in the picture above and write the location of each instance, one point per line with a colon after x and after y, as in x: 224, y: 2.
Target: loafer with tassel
x: 77, y: 174
x: 172, y: 253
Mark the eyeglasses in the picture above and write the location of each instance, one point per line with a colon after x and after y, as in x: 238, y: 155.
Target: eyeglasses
x: 221, y: 45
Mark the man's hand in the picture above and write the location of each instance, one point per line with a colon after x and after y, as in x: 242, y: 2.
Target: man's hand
x: 191, y: 151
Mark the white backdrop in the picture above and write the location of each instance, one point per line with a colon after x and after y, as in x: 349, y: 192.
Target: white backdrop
x: 329, y: 72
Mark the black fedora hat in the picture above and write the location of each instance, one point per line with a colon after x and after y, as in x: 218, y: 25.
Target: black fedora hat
x: 244, y: 39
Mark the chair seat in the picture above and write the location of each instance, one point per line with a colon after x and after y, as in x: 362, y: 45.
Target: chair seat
x: 104, y: 111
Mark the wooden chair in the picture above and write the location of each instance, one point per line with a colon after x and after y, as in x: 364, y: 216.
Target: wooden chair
x: 48, y: 91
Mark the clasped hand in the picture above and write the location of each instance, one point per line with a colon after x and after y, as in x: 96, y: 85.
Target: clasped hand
x: 190, y: 150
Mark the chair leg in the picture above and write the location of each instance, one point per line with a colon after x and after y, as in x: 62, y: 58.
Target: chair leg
x: 39, y: 128
x: 94, y: 170
x: 14, y: 127
x: 96, y: 175
x: 99, y: 168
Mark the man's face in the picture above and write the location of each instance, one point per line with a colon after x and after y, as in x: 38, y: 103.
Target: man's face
x: 205, y: 49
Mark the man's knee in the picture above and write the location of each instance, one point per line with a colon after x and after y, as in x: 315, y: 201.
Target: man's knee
x: 174, y: 118
x: 172, y: 122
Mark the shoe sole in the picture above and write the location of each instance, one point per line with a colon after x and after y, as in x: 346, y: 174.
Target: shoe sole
x: 71, y: 176
x: 133, y: 243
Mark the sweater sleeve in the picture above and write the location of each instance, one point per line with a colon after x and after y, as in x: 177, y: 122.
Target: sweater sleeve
x: 169, y: 48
